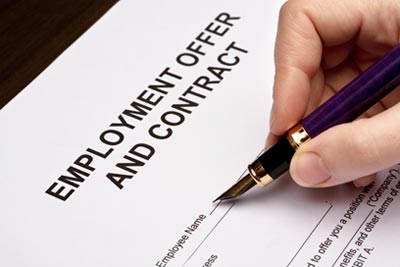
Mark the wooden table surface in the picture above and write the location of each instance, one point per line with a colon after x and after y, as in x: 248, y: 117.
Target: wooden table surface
x: 33, y: 33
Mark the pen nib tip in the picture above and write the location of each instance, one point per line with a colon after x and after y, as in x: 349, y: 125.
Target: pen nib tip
x: 222, y: 198
x: 237, y: 189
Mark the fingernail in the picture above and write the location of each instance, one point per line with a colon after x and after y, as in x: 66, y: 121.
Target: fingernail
x: 309, y: 169
x: 364, y: 181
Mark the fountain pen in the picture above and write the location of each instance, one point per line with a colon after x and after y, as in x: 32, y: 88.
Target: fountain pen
x: 345, y: 106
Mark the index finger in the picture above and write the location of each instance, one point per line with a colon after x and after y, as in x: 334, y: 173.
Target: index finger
x: 305, y: 28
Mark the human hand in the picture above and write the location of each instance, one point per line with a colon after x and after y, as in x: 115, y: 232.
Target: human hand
x: 321, y: 46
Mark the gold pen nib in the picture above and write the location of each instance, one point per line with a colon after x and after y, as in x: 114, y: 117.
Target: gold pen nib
x: 237, y: 189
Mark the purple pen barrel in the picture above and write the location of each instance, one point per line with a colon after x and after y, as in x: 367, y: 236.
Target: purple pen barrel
x: 358, y: 96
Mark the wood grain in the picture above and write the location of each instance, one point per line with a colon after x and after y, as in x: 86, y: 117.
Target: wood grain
x: 34, y: 33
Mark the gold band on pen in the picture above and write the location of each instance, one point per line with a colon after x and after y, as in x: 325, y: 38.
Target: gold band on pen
x: 258, y: 173
x: 297, y: 136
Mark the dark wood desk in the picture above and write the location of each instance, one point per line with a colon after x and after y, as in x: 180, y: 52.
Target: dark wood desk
x: 34, y: 33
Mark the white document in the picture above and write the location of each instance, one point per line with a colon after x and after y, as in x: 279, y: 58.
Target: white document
x: 113, y: 155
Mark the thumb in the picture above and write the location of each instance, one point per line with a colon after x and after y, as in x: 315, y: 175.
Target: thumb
x: 349, y: 151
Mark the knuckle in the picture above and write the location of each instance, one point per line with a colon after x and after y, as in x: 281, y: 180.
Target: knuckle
x: 292, y: 7
x: 287, y: 8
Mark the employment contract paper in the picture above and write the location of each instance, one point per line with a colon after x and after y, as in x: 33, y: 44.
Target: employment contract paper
x: 112, y: 156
